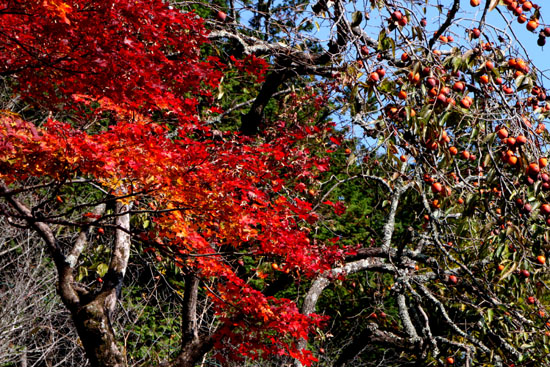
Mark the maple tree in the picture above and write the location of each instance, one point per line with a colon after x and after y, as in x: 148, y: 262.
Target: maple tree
x: 133, y: 135
x: 142, y: 133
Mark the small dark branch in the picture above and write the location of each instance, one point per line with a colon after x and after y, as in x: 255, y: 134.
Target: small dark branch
x: 443, y: 311
x: 329, y: 191
x: 391, y: 253
x: 407, y: 238
x: 503, y: 344
x: 27, y: 188
x: 372, y: 335
x: 467, y: 348
x: 379, y: 180
x: 108, y: 200
x: 446, y: 24
x: 485, y: 10
x: 242, y: 105
x: 65, y: 272
x: 16, y: 71
x: 232, y: 10
x: 342, y: 28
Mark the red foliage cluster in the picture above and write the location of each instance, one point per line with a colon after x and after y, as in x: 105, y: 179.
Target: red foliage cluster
x: 142, y: 56
x: 252, y: 65
x: 270, y: 326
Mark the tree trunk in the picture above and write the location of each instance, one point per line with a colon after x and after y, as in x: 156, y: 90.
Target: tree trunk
x: 192, y: 352
x: 94, y: 327
x: 193, y: 346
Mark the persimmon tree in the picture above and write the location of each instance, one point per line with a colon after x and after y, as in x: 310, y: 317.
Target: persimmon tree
x: 451, y: 112
x: 133, y: 125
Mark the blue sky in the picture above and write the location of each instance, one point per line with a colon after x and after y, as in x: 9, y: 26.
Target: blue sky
x: 469, y: 18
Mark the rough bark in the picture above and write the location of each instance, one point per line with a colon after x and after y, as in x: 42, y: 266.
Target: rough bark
x: 192, y: 352
x: 189, y: 313
x: 250, y: 122
x: 93, y: 324
x: 121, y: 255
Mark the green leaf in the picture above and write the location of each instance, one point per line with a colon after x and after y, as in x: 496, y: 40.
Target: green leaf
x: 386, y: 86
x: 82, y: 272
x: 499, y: 250
x: 519, y: 80
x: 490, y: 137
x: 381, y: 37
x: 509, y: 271
x: 467, y: 57
x: 392, y: 45
x: 486, y: 162
x: 492, y: 172
x: 536, y: 188
x: 102, y: 269
x: 444, y: 118
x: 356, y: 18
x: 457, y: 63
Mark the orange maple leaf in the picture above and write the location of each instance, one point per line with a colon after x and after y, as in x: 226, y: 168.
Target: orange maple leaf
x: 60, y: 8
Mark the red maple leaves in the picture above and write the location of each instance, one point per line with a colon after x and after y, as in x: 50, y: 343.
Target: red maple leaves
x: 255, y: 326
x: 143, y: 56
x: 204, y: 192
